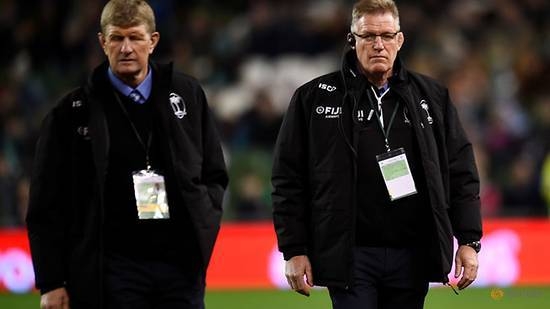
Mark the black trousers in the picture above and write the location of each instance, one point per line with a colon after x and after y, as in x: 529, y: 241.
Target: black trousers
x: 133, y: 283
x: 384, y: 278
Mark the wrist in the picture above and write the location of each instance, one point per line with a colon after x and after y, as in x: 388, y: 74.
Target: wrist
x: 476, y: 245
x: 49, y: 288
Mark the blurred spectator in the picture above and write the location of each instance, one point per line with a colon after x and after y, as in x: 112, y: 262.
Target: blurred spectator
x: 491, y: 198
x: 258, y: 127
x: 521, y: 195
x: 250, y: 188
x: 8, y: 201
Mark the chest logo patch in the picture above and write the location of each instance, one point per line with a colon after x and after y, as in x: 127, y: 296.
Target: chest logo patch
x: 84, y: 132
x: 424, y: 105
x: 178, y: 105
x: 326, y: 87
x: 329, y: 111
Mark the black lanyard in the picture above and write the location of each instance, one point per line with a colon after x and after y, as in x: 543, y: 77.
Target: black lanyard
x: 147, y: 147
x: 378, y: 112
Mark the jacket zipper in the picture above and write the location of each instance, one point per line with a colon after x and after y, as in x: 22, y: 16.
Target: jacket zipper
x: 353, y: 204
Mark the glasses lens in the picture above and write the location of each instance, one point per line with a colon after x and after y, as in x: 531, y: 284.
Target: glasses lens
x: 387, y: 37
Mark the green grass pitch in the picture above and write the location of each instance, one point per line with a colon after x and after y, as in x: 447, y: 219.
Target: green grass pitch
x: 472, y: 298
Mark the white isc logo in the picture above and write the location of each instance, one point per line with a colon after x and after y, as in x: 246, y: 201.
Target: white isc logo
x: 326, y: 87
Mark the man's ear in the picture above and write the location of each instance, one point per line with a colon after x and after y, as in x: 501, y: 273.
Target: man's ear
x: 155, y: 37
x: 400, y: 40
x: 101, y: 40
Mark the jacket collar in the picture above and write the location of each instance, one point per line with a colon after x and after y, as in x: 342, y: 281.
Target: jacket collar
x: 99, y: 80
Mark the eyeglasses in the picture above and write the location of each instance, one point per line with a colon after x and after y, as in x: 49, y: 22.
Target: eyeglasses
x: 371, y: 37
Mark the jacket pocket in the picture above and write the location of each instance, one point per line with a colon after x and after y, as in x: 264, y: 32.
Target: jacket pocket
x: 202, y: 210
x: 331, y: 191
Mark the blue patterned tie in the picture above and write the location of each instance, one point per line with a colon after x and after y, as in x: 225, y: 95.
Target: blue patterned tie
x: 136, y: 97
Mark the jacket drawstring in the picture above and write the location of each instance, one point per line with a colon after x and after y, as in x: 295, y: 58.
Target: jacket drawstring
x: 451, y: 286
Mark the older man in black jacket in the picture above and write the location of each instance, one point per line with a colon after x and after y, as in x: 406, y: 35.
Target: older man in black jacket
x: 373, y: 175
x: 128, y: 180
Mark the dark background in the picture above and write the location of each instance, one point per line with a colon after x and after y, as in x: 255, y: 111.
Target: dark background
x: 494, y: 55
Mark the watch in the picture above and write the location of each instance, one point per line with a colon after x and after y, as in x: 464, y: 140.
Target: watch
x: 476, y: 245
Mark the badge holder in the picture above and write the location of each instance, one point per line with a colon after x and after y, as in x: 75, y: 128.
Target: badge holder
x: 149, y: 187
x: 396, y: 173
x: 150, y: 192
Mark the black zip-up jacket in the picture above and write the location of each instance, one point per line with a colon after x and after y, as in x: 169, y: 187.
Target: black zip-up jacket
x: 315, y: 171
x: 66, y: 208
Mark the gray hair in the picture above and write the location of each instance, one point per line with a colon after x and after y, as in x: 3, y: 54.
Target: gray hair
x: 364, y: 7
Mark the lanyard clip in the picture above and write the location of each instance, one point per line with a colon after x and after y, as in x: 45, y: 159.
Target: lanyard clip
x: 147, y: 163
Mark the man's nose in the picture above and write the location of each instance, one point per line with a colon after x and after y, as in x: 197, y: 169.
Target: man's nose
x: 126, y: 46
x: 378, y: 44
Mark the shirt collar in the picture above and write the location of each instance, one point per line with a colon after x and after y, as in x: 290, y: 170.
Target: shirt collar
x: 383, y: 88
x: 144, y: 88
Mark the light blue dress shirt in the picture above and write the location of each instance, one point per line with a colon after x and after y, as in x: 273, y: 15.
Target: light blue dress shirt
x: 143, y: 89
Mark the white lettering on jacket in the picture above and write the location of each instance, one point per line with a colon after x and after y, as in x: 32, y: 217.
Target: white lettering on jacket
x: 326, y: 87
x: 329, y: 111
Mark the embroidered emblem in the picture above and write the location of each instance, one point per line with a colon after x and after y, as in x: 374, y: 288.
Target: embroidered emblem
x: 329, y: 111
x: 84, y: 132
x: 326, y: 87
x: 360, y: 115
x: 178, y: 105
x: 424, y: 105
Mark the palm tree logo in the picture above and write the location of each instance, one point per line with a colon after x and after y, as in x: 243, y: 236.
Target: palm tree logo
x: 178, y: 105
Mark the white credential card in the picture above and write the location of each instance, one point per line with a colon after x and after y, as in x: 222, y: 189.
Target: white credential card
x: 397, y: 174
x: 150, y: 193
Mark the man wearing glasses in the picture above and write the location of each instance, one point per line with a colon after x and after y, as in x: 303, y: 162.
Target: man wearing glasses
x: 373, y: 176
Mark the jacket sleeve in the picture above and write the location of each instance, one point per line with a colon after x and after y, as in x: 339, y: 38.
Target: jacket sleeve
x: 290, y: 181
x: 214, y: 174
x: 48, y: 203
x: 464, y: 198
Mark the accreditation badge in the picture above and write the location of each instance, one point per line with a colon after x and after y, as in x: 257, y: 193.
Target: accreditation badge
x: 396, y: 173
x: 150, y: 193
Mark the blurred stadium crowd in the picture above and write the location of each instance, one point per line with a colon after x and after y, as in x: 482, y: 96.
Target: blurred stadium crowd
x: 494, y: 55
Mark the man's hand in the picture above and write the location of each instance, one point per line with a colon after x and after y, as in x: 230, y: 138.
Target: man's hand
x: 295, y: 269
x: 55, y: 299
x: 467, y: 264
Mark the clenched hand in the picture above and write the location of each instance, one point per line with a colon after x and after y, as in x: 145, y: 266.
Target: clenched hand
x: 55, y: 299
x: 295, y: 269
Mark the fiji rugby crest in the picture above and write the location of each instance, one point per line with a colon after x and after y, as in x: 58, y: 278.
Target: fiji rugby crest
x: 178, y: 105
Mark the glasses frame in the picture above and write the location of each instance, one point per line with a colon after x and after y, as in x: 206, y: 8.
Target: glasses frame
x: 385, y: 37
